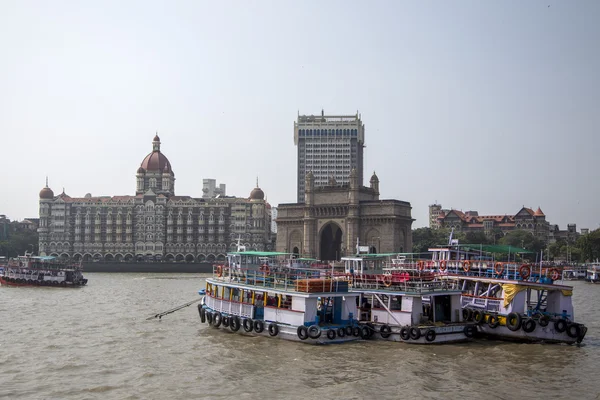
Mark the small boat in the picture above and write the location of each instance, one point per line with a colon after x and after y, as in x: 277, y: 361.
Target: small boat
x: 400, y: 302
x: 30, y: 270
x: 593, y: 272
x: 267, y: 294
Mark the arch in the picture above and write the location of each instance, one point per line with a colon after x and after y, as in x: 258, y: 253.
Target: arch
x: 77, y: 257
x: 373, y: 240
x: 64, y: 256
x: 109, y: 257
x: 118, y: 257
x: 128, y: 257
x: 179, y: 257
x: 296, y: 251
x: 221, y: 257
x: 97, y: 257
x: 87, y: 257
x: 330, y: 242
x: 53, y: 254
x: 210, y: 258
x: 189, y: 258
x: 169, y: 257
x: 201, y: 258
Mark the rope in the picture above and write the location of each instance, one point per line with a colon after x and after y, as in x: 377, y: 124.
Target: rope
x: 160, y: 315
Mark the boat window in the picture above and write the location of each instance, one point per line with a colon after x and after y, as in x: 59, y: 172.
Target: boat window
x: 377, y: 303
x: 286, y: 302
x: 396, y: 303
x: 247, y: 296
x: 272, y: 300
x: 235, y: 294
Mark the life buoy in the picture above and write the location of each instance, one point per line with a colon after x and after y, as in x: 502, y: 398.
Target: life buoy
x: 466, y: 265
x: 555, y: 274
x: 499, y: 268
x: 560, y: 325
x: 314, y: 331
x: 217, y: 319
x: 574, y: 330
x: 302, y: 332
x: 331, y: 334
x: 525, y: 271
x: 341, y: 332
x: 528, y: 325
x: 430, y: 335
x: 248, y: 324
x: 385, y: 331
x: 443, y: 264
x: 259, y: 326
x: 234, y: 323
x: 219, y: 271
x: 513, y: 321
x: 415, y: 333
x: 265, y: 268
x: 387, y: 280
x: 493, y: 321
x: 273, y: 329
x: 405, y: 333
x: 421, y: 265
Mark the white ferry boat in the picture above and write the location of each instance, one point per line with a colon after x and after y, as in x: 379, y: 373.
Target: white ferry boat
x: 399, y: 302
x: 593, y: 273
x: 510, y: 300
x: 29, y: 270
x: 255, y: 294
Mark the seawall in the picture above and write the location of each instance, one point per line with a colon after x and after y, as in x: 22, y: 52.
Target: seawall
x: 179, y: 267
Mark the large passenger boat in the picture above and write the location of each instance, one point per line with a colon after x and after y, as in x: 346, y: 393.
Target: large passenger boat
x: 509, y: 300
x: 268, y: 294
x: 400, y: 302
x: 29, y: 270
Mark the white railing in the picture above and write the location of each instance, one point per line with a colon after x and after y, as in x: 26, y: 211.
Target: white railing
x: 230, y: 307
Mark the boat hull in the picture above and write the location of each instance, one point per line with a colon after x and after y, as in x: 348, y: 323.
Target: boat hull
x: 541, y: 334
x: 46, y: 284
x: 443, y: 334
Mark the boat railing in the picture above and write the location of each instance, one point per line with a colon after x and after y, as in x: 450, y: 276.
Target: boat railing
x: 484, y: 303
x: 410, y: 284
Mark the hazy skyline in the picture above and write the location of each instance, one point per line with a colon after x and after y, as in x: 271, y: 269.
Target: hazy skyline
x: 483, y: 106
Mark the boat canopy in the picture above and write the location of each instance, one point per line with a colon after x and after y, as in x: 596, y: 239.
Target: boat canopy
x: 494, y: 248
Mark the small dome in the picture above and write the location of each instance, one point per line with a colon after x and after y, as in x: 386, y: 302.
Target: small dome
x: 156, y: 138
x: 257, y: 194
x: 46, y: 193
x: 155, y: 162
x: 374, y: 178
x: 141, y: 170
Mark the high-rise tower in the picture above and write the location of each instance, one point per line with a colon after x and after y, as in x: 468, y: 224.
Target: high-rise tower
x: 329, y: 146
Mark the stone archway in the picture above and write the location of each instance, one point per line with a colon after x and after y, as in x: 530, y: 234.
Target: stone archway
x: 330, y: 242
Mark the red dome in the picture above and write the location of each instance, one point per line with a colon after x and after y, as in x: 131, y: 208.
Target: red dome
x: 46, y: 193
x: 156, y: 162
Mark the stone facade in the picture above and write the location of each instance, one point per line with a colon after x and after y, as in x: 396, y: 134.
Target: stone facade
x: 333, y: 218
x: 155, y: 223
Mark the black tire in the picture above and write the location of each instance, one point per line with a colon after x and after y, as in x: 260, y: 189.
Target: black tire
x: 302, y: 332
x: 331, y: 334
x: 273, y: 329
x: 217, y: 319
x: 209, y: 317
x: 365, y: 332
x: 493, y: 321
x: 259, y: 326
x: 371, y: 329
x: 341, y: 332
x: 348, y: 330
x: 469, y: 331
x: 574, y: 331
x: 202, y: 313
x: 529, y: 325
x: 467, y: 314
x: 560, y: 325
x: 415, y: 333
x: 248, y: 324
x: 513, y: 321
x: 544, y: 320
x: 478, y: 316
x: 226, y: 321
x: 430, y: 335
x: 234, y: 323
x: 385, y: 331
x: 314, y: 331
x: 356, y: 331
x: 405, y: 333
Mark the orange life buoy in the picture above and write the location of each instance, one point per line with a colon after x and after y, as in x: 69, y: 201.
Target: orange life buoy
x: 265, y: 268
x: 499, y: 268
x: 466, y: 265
x: 443, y: 265
x: 420, y: 265
x: 387, y: 280
x: 219, y: 271
x: 555, y: 274
x: 525, y: 271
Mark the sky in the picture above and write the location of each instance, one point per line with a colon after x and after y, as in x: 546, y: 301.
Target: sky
x: 475, y: 105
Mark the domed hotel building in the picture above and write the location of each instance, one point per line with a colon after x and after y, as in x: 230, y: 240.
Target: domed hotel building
x: 154, y: 223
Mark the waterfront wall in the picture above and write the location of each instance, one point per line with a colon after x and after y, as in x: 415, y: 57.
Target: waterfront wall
x: 179, y: 267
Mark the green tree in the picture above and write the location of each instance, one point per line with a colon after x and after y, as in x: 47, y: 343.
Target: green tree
x: 524, y: 239
x: 589, y: 246
x: 18, y: 243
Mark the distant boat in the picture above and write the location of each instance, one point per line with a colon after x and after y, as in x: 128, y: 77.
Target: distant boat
x: 30, y: 270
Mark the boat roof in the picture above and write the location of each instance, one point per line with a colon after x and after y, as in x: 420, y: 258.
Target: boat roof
x: 488, y: 248
x: 239, y: 285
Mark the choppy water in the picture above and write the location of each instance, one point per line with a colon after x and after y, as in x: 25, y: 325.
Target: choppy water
x: 95, y: 343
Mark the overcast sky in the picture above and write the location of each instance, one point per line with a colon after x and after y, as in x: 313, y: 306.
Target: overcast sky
x: 477, y: 105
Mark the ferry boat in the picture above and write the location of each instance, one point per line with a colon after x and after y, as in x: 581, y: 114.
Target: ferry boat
x: 263, y: 294
x: 593, y: 273
x: 29, y: 270
x: 510, y: 300
x: 401, y: 303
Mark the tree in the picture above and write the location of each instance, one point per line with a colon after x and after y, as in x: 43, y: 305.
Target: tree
x: 523, y: 239
x: 18, y: 243
x: 589, y: 245
x: 426, y: 238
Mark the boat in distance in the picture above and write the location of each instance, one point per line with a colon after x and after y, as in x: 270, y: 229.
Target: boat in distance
x: 42, y: 271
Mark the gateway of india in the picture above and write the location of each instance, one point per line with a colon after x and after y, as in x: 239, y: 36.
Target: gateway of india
x: 335, y: 212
